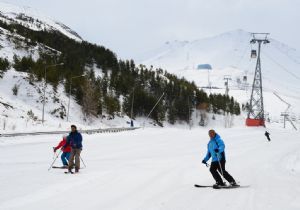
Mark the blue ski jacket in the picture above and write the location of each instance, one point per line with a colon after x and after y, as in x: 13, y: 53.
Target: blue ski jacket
x: 74, y: 140
x: 215, y: 143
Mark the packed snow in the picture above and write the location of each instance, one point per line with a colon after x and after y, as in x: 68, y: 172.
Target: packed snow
x: 153, y: 169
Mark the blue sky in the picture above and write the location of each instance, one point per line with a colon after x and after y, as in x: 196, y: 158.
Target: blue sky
x: 131, y: 27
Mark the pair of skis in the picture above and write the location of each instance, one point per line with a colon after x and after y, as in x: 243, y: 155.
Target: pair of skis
x: 220, y: 187
x: 62, y: 167
x: 71, y: 172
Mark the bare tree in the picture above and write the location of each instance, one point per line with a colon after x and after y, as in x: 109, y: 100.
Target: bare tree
x: 89, y: 102
x: 203, y: 107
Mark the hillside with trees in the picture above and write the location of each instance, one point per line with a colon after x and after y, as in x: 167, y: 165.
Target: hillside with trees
x: 110, y: 86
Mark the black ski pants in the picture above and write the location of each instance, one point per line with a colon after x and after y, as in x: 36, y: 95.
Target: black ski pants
x: 215, y: 170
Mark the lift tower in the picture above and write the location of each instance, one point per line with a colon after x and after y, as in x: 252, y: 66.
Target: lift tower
x: 256, y: 108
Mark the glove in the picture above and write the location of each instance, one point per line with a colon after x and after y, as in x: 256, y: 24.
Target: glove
x: 54, y: 149
x: 204, y: 162
x: 217, y: 150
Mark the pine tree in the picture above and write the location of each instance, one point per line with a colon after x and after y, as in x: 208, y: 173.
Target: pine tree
x: 4, y: 66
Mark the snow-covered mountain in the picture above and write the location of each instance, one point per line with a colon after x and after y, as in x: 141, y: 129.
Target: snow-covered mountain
x: 229, y: 55
x: 230, y: 49
x: 15, y: 44
x: 34, y: 20
x: 226, y: 53
x: 152, y: 168
x: 24, y: 111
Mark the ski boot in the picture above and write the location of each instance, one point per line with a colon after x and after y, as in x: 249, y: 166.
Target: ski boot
x: 219, y: 185
x: 234, y: 184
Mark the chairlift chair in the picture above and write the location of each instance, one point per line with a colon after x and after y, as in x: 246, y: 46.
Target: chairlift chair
x: 253, y: 54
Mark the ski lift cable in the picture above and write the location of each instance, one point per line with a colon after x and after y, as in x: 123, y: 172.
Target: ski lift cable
x: 281, y: 66
x: 243, y: 55
x: 281, y: 99
x: 286, y: 54
x: 244, y: 52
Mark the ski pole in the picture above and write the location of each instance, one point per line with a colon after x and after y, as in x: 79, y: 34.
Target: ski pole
x: 54, y: 160
x: 54, y: 154
x: 220, y: 164
x: 82, y: 161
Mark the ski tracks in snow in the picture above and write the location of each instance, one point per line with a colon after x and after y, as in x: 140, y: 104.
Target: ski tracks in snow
x: 154, y: 169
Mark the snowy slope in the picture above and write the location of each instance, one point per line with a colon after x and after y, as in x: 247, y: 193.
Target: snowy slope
x: 153, y: 169
x: 34, y: 20
x: 230, y: 49
x: 13, y: 44
x: 229, y: 54
x: 23, y: 113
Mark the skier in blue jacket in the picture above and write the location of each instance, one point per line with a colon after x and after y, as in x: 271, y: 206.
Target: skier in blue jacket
x: 75, y: 141
x: 216, y: 151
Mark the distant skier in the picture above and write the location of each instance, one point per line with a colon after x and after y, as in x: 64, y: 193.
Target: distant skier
x: 216, y: 151
x: 267, y: 134
x: 131, y: 123
x: 66, y: 151
x: 75, y: 141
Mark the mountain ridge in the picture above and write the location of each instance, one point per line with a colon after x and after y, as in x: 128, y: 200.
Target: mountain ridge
x: 240, y: 41
x: 34, y: 20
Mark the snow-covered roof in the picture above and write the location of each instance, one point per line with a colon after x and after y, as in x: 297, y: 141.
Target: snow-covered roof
x: 204, y: 66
